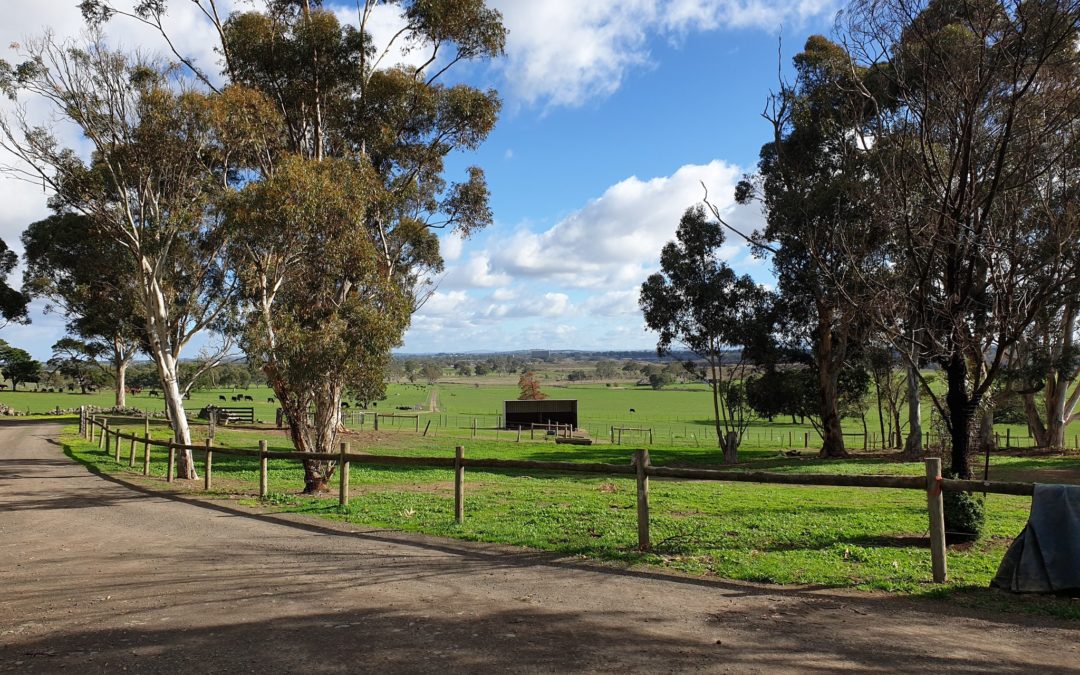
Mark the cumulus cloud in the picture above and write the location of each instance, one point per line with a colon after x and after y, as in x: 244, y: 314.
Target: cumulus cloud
x: 614, y: 240
x: 476, y: 272
x: 584, y: 272
x: 565, y: 52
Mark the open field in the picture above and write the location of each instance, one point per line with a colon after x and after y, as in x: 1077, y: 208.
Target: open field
x: 680, y: 415
x: 866, y: 538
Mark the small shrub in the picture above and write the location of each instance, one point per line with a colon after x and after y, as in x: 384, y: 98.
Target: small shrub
x: 964, y: 516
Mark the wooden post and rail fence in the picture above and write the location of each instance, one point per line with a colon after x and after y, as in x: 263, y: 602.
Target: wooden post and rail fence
x: 932, y: 484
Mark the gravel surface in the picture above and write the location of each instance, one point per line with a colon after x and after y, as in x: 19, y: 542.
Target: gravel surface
x: 99, y: 575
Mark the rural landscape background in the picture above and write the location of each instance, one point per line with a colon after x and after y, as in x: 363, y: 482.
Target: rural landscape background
x: 808, y: 270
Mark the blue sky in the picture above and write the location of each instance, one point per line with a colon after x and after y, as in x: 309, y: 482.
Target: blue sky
x: 614, y: 113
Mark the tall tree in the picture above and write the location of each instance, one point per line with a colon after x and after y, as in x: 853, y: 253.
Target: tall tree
x: 342, y: 157
x: 698, y: 301
x: 975, y: 107
x: 812, y: 184
x: 89, y: 277
x: 148, y: 184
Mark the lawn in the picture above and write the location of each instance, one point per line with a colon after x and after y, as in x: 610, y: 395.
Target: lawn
x: 845, y: 537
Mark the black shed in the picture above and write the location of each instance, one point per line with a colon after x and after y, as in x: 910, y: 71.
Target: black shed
x: 549, y: 411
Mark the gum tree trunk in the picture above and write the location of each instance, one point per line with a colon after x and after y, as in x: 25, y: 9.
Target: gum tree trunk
x: 828, y: 369
x: 961, y: 413
x: 913, y: 446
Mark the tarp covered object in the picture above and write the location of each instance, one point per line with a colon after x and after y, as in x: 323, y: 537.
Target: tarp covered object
x: 1045, y: 558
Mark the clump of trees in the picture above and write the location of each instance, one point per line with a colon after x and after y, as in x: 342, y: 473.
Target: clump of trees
x: 18, y: 366
x: 289, y: 203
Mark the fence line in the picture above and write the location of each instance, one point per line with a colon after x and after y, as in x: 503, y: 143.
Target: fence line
x: 933, y: 484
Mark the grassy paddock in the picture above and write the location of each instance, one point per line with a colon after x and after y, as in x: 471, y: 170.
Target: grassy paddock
x: 680, y: 416
x: 842, y: 537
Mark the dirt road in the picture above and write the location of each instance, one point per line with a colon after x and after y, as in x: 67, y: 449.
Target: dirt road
x: 98, y: 575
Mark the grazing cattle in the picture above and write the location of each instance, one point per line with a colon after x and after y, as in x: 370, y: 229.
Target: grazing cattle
x: 248, y: 398
x: 270, y: 400
x: 222, y: 398
x: 153, y: 392
x: 344, y: 404
x: 632, y: 410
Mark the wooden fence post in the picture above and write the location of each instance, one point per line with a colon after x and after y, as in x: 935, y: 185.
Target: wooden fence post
x: 474, y: 427
x: 376, y: 421
x: 1008, y: 437
x: 418, y: 424
x: 146, y: 424
x: 146, y: 455
x: 936, y: 507
x: 459, y: 484
x: 208, y: 480
x: 264, y: 479
x: 519, y: 433
x: 131, y: 454
x: 641, y: 462
x: 171, y: 470
x: 103, y: 439
x: 343, y: 476
x: 82, y: 421
x: 93, y: 427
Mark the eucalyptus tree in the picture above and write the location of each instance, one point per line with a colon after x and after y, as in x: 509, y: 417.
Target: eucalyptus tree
x: 336, y: 160
x: 146, y: 187
x: 974, y: 108
x: 699, y: 302
x: 814, y: 187
x: 88, y: 278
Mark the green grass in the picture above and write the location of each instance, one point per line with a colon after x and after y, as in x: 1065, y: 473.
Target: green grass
x: 840, y: 537
x: 680, y: 416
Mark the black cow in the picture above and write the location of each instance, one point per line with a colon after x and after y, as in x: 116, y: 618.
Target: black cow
x: 248, y: 398
x: 632, y: 410
x: 222, y: 398
x: 344, y: 404
x: 270, y: 400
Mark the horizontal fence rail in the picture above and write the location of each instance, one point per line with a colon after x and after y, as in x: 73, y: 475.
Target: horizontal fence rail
x: 932, y: 483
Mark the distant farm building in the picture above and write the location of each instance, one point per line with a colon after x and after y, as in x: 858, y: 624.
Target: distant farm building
x: 550, y: 411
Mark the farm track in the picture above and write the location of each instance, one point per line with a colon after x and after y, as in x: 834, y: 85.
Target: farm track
x: 101, y: 575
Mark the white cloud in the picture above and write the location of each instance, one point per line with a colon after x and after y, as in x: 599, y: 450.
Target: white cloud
x: 476, y: 272
x: 450, y: 247
x: 614, y: 240
x: 564, y: 52
x: 613, y: 304
x: 445, y: 304
x: 584, y: 272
